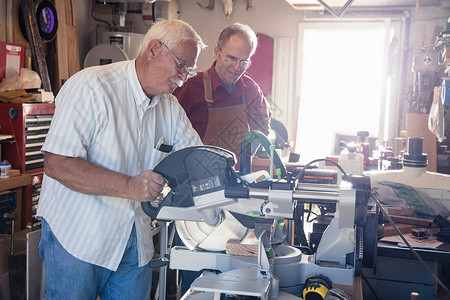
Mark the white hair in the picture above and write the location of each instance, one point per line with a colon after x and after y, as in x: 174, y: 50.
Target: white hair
x: 171, y: 32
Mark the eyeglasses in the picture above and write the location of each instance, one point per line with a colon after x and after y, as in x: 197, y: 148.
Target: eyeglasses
x: 232, y: 61
x: 181, y: 67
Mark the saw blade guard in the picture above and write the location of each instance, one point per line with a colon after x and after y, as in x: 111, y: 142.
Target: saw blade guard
x: 192, y: 172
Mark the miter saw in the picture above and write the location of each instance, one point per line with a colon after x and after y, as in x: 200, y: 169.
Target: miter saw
x: 211, y: 204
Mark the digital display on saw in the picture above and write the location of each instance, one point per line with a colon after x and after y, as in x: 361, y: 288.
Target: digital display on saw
x: 205, y: 185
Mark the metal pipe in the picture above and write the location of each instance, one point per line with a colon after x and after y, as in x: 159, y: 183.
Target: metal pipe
x: 259, y: 194
x: 12, y: 237
x: 272, y: 149
x: 163, y: 269
x: 318, y: 187
x: 316, y: 196
x: 43, y: 282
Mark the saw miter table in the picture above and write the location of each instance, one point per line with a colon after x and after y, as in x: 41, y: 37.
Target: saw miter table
x: 212, y: 204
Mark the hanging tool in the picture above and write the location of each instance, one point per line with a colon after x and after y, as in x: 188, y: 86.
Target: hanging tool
x: 37, y: 50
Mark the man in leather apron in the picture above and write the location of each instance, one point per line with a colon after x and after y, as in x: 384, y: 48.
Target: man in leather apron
x: 223, y: 103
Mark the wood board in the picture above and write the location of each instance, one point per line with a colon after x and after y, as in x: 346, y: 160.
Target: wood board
x: 67, y: 58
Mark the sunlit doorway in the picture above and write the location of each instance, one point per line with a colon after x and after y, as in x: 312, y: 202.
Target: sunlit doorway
x: 343, y: 84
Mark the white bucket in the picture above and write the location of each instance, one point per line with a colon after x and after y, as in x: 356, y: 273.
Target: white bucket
x: 4, y: 169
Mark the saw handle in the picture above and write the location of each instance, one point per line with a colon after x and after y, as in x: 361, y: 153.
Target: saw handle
x: 237, y: 192
x: 153, y: 211
x: 150, y: 210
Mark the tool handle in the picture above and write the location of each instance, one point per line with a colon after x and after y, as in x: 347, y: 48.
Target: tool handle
x: 150, y: 210
x: 153, y: 211
x: 158, y: 263
x: 237, y: 192
x: 12, y: 236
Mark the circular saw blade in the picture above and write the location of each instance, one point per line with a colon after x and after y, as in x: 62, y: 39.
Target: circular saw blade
x: 200, y: 235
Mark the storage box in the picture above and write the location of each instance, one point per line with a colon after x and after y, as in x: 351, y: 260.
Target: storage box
x: 12, y: 59
x: 446, y: 55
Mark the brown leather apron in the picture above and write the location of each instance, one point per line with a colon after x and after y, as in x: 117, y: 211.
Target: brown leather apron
x: 226, y: 125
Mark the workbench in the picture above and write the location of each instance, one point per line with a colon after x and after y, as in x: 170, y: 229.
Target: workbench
x: 16, y: 183
x: 398, y: 273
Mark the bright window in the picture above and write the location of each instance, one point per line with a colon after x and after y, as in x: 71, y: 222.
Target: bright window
x: 343, y: 84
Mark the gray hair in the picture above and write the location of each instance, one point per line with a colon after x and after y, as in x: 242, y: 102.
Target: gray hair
x: 244, y: 31
x: 171, y: 32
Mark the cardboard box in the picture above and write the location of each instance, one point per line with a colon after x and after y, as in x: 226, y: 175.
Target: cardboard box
x: 12, y: 59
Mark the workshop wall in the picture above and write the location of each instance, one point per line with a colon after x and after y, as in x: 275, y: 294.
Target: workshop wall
x: 279, y: 21
x: 425, y: 26
x: 275, y: 18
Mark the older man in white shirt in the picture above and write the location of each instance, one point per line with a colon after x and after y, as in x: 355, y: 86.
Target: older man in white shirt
x: 99, y: 155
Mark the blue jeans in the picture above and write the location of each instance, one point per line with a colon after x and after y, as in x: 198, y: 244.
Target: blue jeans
x: 70, y: 278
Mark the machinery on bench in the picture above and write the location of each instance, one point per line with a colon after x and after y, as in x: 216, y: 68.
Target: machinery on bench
x: 211, y: 203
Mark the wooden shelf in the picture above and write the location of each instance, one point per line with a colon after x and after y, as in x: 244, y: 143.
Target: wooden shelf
x: 16, y: 183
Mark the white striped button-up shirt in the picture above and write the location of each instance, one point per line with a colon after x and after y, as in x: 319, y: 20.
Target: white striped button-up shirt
x: 102, y: 115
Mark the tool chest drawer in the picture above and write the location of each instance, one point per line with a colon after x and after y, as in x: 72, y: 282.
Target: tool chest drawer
x: 29, y: 124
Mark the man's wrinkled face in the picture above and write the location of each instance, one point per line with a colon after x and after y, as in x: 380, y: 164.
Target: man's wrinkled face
x: 232, y: 59
x: 178, y: 64
x: 182, y: 69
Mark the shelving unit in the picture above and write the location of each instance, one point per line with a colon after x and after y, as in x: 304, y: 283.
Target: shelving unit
x: 29, y: 124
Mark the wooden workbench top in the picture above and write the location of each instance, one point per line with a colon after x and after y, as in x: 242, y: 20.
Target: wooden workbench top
x: 15, y: 180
